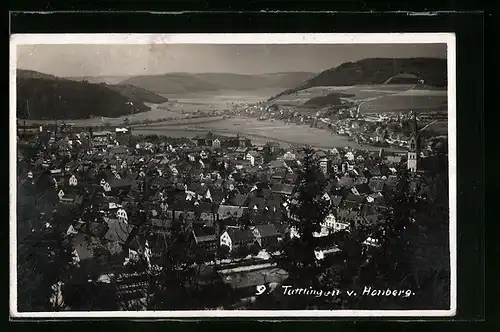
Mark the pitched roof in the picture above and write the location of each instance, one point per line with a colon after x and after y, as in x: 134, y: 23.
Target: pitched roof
x: 119, y: 149
x: 254, y: 153
x: 101, y: 133
x: 371, y: 219
x: 346, y: 215
x: 376, y: 185
x: 275, y: 200
x: 345, y: 181
x: 377, y: 199
x: 267, y: 230
x: 354, y: 199
x: 119, y: 183
x: 336, y: 200
x: 238, y: 235
x: 384, y: 170
x: 204, y: 234
x: 118, y: 231
x: 197, y: 188
x: 392, y: 181
x: 363, y: 189
x: 394, y: 159
x: 240, y: 162
x: 258, y: 201
x: 291, y: 177
x: 159, y: 182
x: 97, y: 229
x: 277, y: 164
x: 279, y: 174
x: 82, y: 246
x: 281, y: 188
x: 206, y: 238
x: 238, y: 200
x: 217, y: 195
x: 241, y: 149
x: 374, y: 171
x: 160, y: 223
x: 281, y: 227
x: 368, y: 210
x: 226, y: 211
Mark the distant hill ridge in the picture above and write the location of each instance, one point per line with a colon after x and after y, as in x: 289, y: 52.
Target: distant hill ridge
x: 378, y: 71
x: 32, y: 74
x: 99, y: 79
x: 181, y: 83
x: 44, y: 96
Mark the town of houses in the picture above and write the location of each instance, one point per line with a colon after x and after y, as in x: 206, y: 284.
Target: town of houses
x: 381, y: 129
x: 121, y: 194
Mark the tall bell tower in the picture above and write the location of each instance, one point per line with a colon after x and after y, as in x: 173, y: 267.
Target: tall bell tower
x: 414, y: 147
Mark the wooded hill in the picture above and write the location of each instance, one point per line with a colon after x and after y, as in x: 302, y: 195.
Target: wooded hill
x: 379, y: 71
x: 43, y: 96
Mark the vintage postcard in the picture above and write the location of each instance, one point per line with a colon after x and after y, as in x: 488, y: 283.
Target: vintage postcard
x: 232, y: 175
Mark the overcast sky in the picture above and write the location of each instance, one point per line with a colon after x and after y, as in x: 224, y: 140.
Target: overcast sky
x: 127, y: 60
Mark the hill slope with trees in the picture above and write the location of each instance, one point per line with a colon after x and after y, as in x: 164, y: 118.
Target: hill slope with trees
x: 43, y: 96
x: 137, y: 93
x: 378, y: 71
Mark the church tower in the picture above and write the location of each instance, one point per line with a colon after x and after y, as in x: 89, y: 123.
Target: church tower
x: 414, y: 147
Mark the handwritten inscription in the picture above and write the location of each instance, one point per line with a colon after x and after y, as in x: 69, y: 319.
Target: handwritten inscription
x: 289, y: 290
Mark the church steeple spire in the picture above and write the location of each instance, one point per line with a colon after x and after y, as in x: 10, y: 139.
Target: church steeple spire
x: 414, y: 148
x: 415, y: 126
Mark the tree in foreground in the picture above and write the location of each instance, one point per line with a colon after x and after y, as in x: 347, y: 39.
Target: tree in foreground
x: 308, y: 210
x: 412, y: 253
x: 44, y: 258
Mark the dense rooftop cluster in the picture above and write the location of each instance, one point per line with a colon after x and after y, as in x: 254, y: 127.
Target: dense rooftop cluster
x: 118, y: 198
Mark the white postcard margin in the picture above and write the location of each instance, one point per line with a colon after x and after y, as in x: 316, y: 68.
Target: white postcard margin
x: 248, y: 38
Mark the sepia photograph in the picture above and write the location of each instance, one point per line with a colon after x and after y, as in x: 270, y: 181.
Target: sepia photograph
x: 232, y: 175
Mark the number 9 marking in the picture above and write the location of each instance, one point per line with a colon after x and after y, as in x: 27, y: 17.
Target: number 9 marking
x: 260, y: 289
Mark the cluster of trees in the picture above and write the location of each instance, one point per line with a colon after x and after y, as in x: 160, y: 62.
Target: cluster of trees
x: 43, y: 252
x: 180, y: 282
x: 412, y: 254
x: 333, y: 98
x: 65, y: 99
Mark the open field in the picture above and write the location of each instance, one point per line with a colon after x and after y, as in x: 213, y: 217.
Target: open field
x: 439, y: 127
x: 406, y: 102
x: 360, y: 92
x: 376, y: 98
x: 259, y: 131
x: 221, y: 100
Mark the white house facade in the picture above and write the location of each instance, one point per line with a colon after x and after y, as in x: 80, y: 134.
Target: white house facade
x: 121, y: 214
x: 225, y: 240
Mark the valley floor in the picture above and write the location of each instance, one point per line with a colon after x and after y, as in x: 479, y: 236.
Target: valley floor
x: 259, y: 131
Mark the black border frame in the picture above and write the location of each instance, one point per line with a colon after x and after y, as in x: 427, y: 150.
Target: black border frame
x: 469, y: 30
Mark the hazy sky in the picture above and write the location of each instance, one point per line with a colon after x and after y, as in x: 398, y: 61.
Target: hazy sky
x: 118, y: 60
